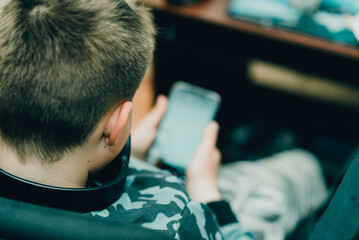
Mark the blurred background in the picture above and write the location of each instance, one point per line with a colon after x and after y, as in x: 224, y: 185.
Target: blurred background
x: 287, y: 71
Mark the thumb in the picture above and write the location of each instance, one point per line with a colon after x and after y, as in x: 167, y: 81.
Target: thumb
x: 155, y: 115
x: 210, y: 135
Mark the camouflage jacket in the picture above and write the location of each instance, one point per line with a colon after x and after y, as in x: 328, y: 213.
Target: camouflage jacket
x: 156, y: 199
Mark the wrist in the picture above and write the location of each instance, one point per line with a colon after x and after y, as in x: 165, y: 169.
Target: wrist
x: 204, y: 192
x: 137, y: 154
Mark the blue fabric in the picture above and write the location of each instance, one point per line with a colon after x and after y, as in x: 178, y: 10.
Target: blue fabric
x: 235, y: 231
x: 157, y: 200
x: 274, y: 11
x: 341, y: 6
x: 326, y: 23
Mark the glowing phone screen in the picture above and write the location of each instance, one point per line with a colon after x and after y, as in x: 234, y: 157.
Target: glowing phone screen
x: 181, y: 129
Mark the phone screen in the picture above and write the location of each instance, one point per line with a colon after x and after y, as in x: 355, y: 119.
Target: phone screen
x: 189, y: 110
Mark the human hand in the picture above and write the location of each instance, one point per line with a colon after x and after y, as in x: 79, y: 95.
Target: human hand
x: 144, y: 134
x: 201, y: 173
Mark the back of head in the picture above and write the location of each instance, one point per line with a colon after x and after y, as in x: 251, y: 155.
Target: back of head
x: 63, y: 65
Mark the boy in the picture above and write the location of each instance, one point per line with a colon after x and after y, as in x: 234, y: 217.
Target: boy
x: 68, y: 72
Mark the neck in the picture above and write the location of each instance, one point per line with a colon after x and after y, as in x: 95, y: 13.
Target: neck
x: 72, y: 170
x: 68, y: 172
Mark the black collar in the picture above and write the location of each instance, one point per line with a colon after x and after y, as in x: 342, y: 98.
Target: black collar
x: 103, y: 189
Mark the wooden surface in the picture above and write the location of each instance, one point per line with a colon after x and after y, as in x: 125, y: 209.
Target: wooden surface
x: 215, y: 12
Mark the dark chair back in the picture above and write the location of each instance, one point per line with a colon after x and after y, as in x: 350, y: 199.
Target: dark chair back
x: 340, y: 219
x: 19, y: 220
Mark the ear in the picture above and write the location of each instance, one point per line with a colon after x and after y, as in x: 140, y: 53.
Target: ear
x: 117, y: 122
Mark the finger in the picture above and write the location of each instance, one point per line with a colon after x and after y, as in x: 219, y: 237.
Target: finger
x: 210, y: 135
x: 218, y: 157
x: 154, y: 117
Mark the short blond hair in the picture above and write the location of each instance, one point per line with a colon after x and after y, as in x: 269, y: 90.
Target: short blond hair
x: 63, y: 65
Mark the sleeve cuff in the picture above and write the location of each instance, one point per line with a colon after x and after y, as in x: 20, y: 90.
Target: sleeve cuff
x: 223, y: 212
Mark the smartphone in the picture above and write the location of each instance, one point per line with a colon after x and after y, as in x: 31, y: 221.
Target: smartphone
x: 180, y: 131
